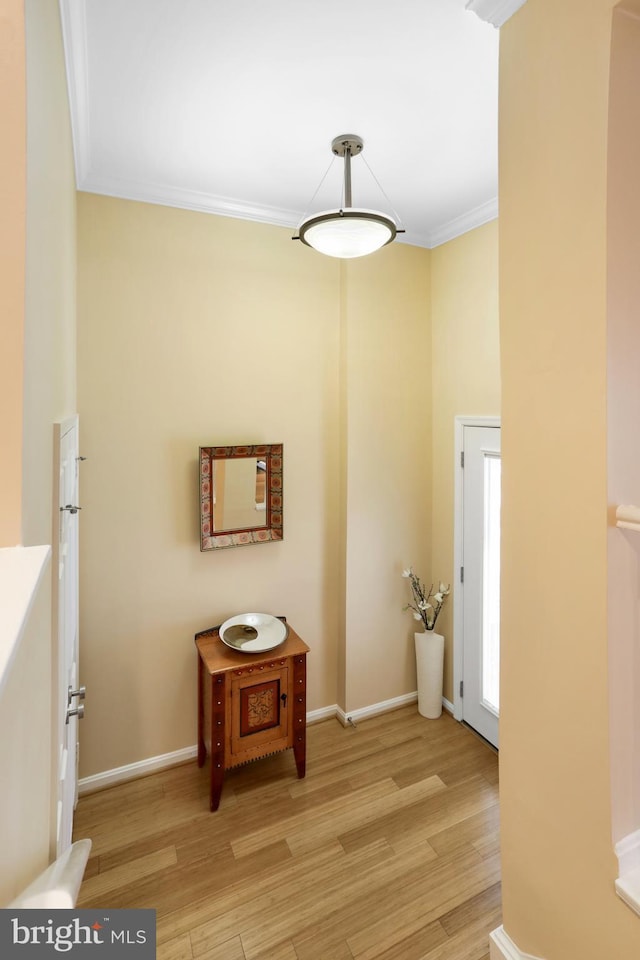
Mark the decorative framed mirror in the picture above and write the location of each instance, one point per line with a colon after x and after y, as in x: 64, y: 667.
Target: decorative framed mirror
x: 240, y: 495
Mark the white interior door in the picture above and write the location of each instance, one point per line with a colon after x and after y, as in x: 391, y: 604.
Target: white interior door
x: 481, y: 580
x: 69, y: 706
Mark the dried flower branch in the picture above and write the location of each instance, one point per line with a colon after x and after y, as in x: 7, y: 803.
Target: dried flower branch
x: 427, y: 604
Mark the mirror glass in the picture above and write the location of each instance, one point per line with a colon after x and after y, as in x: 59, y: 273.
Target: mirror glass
x: 240, y: 495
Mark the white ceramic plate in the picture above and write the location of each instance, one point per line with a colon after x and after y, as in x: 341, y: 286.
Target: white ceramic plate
x: 253, y: 632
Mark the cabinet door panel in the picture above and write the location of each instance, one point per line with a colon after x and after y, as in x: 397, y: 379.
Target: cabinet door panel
x: 259, y: 707
x: 260, y: 711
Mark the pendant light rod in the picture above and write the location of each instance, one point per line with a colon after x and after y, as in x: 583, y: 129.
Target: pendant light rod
x: 347, y: 145
x: 347, y: 178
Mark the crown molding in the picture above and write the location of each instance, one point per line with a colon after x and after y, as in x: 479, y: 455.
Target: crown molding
x: 167, y: 196
x: 496, y: 12
x: 74, y: 38
x: 467, y: 221
x: 145, y: 192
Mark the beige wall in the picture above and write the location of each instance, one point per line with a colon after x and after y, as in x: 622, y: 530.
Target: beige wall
x: 466, y: 381
x: 388, y: 466
x: 12, y: 240
x: 36, y: 287
x: 196, y: 329
x: 558, y: 864
x: 623, y: 388
x: 49, y: 333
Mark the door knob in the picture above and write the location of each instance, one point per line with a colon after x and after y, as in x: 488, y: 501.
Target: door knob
x: 71, y: 508
x: 80, y: 693
x: 76, y: 712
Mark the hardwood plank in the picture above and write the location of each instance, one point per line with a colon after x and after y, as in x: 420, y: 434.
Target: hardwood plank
x: 195, y: 831
x: 374, y: 762
x: 180, y: 885
x: 461, y: 918
x: 377, y: 894
x: 470, y: 943
x: 176, y: 949
x: 418, y: 945
x: 99, y: 886
x: 470, y: 830
x: 446, y: 885
x: 298, y: 905
x: 283, y: 951
x: 285, y: 878
x: 430, y: 814
x: 398, y: 804
x: 92, y: 867
x: 322, y: 817
x: 488, y: 846
x: 229, y: 950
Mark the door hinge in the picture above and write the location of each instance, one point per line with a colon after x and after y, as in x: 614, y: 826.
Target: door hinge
x: 462, y: 688
x: 461, y: 574
x: 462, y: 458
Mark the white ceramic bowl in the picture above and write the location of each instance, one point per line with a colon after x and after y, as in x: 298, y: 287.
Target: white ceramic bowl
x: 253, y: 632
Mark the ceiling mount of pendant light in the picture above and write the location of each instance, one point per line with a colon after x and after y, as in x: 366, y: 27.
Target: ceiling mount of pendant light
x: 350, y: 231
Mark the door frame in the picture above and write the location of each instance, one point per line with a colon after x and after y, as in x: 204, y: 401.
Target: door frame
x: 460, y: 422
x: 59, y: 701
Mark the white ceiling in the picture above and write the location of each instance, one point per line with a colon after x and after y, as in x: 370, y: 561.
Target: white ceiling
x: 230, y: 107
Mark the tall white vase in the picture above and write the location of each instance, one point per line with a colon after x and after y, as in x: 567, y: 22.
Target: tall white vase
x: 429, y: 663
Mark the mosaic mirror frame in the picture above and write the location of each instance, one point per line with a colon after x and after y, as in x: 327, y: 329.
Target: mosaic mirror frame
x: 213, y: 461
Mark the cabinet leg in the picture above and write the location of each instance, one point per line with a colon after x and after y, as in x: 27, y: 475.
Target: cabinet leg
x: 300, y: 754
x: 217, y: 779
x: 202, y: 750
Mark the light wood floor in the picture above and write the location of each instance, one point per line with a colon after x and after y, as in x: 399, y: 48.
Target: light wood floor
x: 387, y: 850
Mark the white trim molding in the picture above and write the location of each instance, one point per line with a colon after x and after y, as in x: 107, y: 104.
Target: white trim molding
x: 628, y: 882
x: 628, y: 517
x: 185, y: 199
x: 132, y: 771
x: 73, y: 17
x: 502, y: 947
x: 347, y: 717
x: 460, y: 422
x: 201, y: 202
x: 496, y: 12
x: 324, y: 713
x: 477, y: 217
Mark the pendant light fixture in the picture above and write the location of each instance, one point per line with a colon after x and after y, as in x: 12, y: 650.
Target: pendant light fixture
x: 350, y: 231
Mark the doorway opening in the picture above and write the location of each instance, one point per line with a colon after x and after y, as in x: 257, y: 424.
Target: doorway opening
x: 477, y: 575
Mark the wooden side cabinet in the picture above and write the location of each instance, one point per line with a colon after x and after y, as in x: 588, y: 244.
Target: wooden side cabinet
x: 249, y: 705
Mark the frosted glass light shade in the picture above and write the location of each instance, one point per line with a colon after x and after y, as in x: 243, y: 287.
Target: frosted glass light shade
x: 347, y: 233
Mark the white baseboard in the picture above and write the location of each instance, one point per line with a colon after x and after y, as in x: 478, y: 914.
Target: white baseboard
x: 374, y: 709
x: 628, y: 883
x: 324, y: 713
x: 132, y: 771
x: 502, y: 947
x: 109, y: 778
